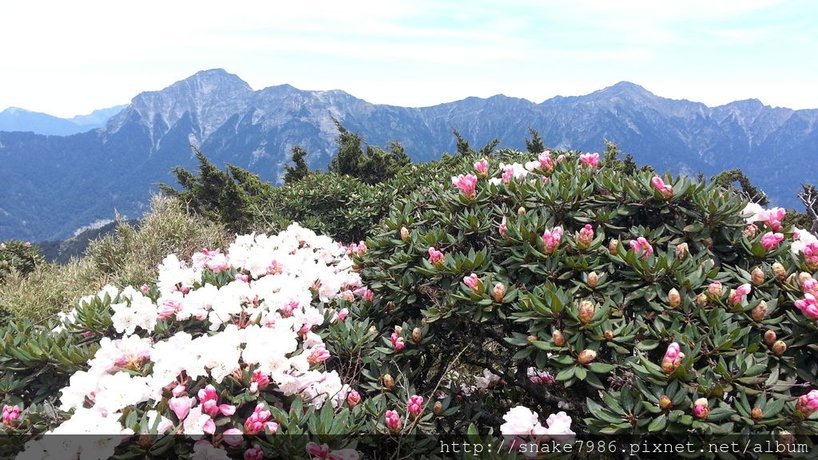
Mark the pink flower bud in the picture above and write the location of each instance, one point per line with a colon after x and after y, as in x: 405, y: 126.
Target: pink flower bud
x: 665, y: 189
x: 585, y: 236
x: 641, y: 247
x: 807, y: 404
x: 342, y: 314
x: 319, y: 354
x: 482, y: 168
x: 467, y: 184
x: 590, y: 159
x: 178, y: 390
x: 750, y: 230
x: 415, y: 405
x: 808, y: 306
x: 393, y: 421
x: 771, y: 240
x: 435, y: 256
x: 503, y: 227
x: 397, y: 341
x: 10, y: 414
x: 714, y: 289
x: 472, y: 281
x: 587, y: 309
x: 672, y: 359
x: 701, y: 408
x: 353, y: 398
x: 551, y: 240
x: 739, y: 294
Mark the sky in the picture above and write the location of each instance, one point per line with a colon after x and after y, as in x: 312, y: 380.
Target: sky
x: 69, y: 58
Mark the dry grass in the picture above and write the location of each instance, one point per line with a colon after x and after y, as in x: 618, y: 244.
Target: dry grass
x: 128, y: 258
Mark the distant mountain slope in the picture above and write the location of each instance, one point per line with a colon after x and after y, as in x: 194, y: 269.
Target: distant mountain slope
x: 53, y: 185
x: 15, y: 119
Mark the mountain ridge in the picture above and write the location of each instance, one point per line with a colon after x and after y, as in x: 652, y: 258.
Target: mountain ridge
x: 113, y: 167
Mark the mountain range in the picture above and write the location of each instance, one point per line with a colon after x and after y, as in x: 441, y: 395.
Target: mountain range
x: 16, y: 119
x: 52, y: 185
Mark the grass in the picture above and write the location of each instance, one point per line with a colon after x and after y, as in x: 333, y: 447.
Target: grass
x: 129, y: 257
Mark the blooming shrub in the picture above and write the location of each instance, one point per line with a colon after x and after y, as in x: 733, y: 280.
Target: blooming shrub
x: 231, y: 350
x: 658, y: 304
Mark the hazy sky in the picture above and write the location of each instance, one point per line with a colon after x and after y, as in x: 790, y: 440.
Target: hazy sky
x: 70, y: 57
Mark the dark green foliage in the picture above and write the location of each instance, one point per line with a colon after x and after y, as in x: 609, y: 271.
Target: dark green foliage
x: 747, y: 189
x: 373, y: 167
x: 632, y: 321
x: 225, y: 197
x: 20, y: 256
x: 535, y: 144
x: 300, y: 169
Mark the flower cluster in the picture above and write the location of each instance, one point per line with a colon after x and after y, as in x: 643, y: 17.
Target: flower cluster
x: 521, y: 423
x: 771, y: 217
x: 258, y: 332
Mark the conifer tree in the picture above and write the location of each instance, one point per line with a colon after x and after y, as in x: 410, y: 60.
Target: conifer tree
x: 300, y: 169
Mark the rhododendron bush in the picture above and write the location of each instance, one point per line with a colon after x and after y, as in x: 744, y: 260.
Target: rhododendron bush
x: 525, y: 298
x: 241, y: 351
x: 652, y: 304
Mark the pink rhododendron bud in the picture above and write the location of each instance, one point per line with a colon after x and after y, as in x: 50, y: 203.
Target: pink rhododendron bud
x: 318, y: 354
x: 808, y: 306
x: 613, y: 247
x: 467, y: 184
x: 774, y: 217
x: 546, y: 163
x: 254, y: 453
x: 397, y: 341
x: 472, y: 281
x: 665, y: 189
x: 258, y: 421
x: 701, y: 408
x: 593, y: 280
x: 342, y: 314
x: 642, y: 247
x: 672, y: 359
x: 242, y: 277
x: 145, y: 288
x: 233, y: 437
x: 771, y: 240
x: 178, y: 390
x: 714, y: 289
x: 779, y: 271
x: 435, y: 256
x: 551, y: 240
x: 585, y: 236
x: 807, y: 404
x: 353, y: 398
x: 10, y: 414
x: 404, y: 233
x: 810, y: 254
x: 750, y: 231
x: 259, y: 381
x: 590, y: 159
x: 368, y: 295
x: 810, y: 286
x: 737, y: 295
x: 415, y: 405
x: 393, y: 421
x: 181, y: 406
x: 482, y: 168
x: 498, y: 292
x: 169, y: 308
